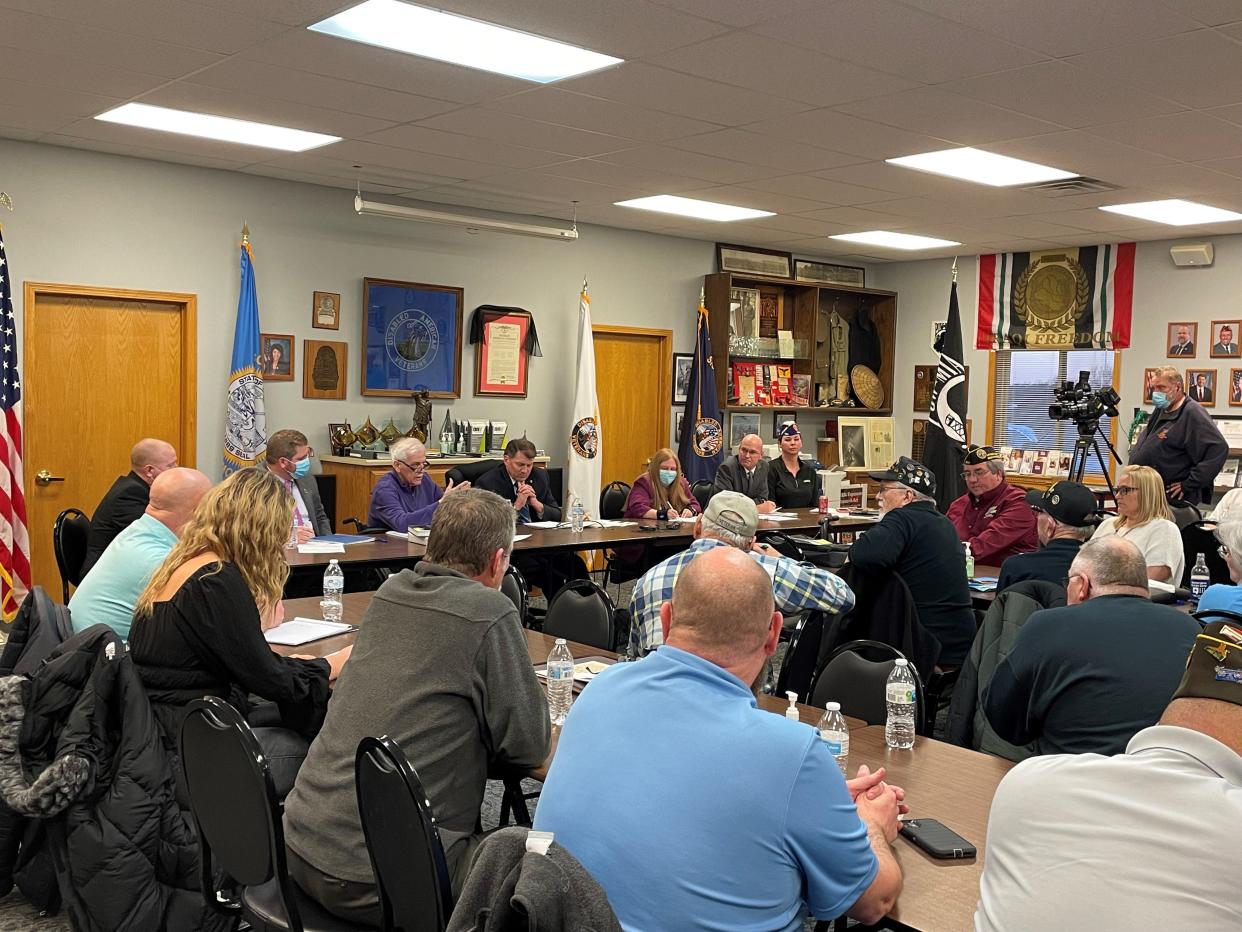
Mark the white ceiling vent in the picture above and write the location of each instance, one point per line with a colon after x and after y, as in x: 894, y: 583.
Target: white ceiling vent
x: 1072, y: 186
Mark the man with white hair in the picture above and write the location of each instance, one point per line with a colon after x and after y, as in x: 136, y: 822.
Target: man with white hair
x: 405, y: 496
x: 124, y: 502
x: 993, y: 516
x: 731, y: 520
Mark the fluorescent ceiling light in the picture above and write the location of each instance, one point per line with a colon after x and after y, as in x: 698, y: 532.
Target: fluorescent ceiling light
x: 472, y: 224
x: 895, y: 240
x: 689, y: 207
x: 417, y: 30
x: 981, y: 167
x: 1175, y: 212
x: 206, y: 126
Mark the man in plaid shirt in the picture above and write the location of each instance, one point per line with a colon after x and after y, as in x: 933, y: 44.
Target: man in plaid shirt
x: 731, y: 520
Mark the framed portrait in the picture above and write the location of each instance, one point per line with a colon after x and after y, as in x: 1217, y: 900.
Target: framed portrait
x: 1182, y: 338
x: 937, y: 331
x: 1201, y: 386
x: 744, y: 313
x: 1225, y: 339
x: 852, y: 442
x: 500, y: 357
x: 752, y: 260
x: 276, y: 356
x: 1235, y: 388
x: 411, y: 339
x: 683, y: 366
x: 326, y: 310
x: 824, y: 273
x: 679, y: 417
x: 323, y: 369
x: 779, y: 418
x: 740, y: 425
x: 1149, y: 378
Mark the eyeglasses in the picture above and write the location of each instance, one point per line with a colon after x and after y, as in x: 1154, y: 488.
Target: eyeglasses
x: 1125, y: 490
x: 413, y: 467
x: 1223, y: 551
x: 310, y: 454
x: 1065, y: 580
x: 976, y: 475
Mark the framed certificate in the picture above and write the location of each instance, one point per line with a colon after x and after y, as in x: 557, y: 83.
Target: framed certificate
x: 411, y: 339
x: 500, y: 357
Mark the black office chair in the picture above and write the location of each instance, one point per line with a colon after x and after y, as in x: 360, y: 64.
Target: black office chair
x: 857, y: 682
x: 1198, y: 538
x: 702, y: 491
x: 403, y: 842
x: 582, y: 611
x: 1184, y: 513
x: 514, y: 586
x: 238, y: 819
x: 785, y: 545
x: 612, y: 500
x: 470, y: 472
x: 1208, y: 615
x: 69, y: 535
x: 802, y: 656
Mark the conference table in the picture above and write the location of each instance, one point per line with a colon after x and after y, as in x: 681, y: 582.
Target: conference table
x: 942, y: 781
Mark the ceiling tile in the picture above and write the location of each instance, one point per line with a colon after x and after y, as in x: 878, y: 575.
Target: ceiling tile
x: 1187, y: 136
x: 841, y: 132
x: 550, y: 188
x: 881, y: 178
x: 1027, y: 227
x: 760, y: 149
x: 748, y: 197
x: 185, y: 96
x: 150, y: 147
x: 56, y: 100
x: 37, y: 120
x: 371, y: 155
x: 1207, y: 12
x: 740, y: 12
x: 456, y: 145
x: 801, y: 225
x: 21, y: 135
x: 837, y: 193
x: 553, y: 105
x: 72, y: 73
x: 948, y: 116
x: 899, y: 40
x: 521, y: 131
x: 1098, y: 221
x: 289, y: 12
x: 688, y: 164
x: 860, y: 219
x: 326, y: 179
x: 1232, y: 166
x: 762, y: 64
x: 1084, y: 153
x: 321, y: 162
x: 637, y: 180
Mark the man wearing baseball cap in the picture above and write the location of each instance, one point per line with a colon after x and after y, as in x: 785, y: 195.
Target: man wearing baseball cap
x: 1155, y: 827
x: 918, y: 542
x: 731, y: 520
x: 992, y: 516
x: 1064, y: 520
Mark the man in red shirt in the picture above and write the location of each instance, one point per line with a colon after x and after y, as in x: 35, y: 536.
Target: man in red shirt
x: 993, y: 516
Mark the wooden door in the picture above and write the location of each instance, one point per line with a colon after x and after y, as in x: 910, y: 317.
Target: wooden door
x: 102, y: 369
x: 633, y: 379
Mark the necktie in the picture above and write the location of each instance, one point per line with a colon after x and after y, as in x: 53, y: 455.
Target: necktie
x: 297, y: 514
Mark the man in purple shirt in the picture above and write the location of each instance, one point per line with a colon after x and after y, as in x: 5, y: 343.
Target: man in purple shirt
x: 406, y: 496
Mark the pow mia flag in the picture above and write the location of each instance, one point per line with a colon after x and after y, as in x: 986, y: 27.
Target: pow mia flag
x: 946, y: 420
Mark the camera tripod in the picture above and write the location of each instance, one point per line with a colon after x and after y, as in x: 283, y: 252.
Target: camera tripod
x: 1086, y: 443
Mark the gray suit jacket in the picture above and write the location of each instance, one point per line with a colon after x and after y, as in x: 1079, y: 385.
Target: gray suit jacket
x: 732, y: 478
x: 310, y: 498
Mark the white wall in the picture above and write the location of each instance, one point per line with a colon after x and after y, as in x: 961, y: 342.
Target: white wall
x: 95, y: 219
x: 1162, y: 293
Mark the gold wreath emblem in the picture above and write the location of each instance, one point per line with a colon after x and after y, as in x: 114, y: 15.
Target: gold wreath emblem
x: 1051, y: 292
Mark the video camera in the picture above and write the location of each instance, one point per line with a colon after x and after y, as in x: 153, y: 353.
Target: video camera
x: 1075, y: 401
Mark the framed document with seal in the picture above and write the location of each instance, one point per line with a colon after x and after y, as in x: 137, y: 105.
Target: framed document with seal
x: 500, y: 357
x: 411, y: 338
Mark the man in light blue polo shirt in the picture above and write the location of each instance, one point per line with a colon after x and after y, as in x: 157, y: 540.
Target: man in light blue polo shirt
x: 693, y: 808
x: 111, y: 588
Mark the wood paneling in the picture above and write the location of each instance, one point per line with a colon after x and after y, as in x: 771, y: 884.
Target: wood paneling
x: 633, y: 378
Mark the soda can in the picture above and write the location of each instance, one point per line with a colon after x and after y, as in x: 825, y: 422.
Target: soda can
x: 823, y: 504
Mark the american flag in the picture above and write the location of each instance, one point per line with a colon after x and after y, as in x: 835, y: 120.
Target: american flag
x: 14, y: 540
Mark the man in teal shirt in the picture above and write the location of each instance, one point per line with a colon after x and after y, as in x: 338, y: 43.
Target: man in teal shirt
x: 110, y: 590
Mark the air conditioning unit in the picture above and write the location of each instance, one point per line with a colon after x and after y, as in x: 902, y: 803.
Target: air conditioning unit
x: 1196, y: 254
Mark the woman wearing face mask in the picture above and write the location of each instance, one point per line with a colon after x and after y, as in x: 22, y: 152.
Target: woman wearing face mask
x: 792, y: 481
x: 662, y: 492
x: 1181, y: 441
x: 1143, y: 518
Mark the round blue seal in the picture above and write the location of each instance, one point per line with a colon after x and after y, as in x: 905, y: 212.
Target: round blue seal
x: 412, y: 340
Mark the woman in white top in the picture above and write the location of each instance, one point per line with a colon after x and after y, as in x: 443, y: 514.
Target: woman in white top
x: 1144, y: 519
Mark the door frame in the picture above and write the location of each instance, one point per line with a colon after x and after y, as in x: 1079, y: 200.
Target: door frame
x: 666, y: 350
x: 32, y: 291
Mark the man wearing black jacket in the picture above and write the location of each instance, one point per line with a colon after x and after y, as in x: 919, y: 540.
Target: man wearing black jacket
x: 129, y: 496
x: 1181, y: 441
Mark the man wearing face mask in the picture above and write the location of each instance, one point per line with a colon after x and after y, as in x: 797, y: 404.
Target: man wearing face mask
x: 1181, y: 441
x: 288, y: 458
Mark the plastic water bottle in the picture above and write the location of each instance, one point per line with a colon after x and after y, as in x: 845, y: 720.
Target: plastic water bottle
x: 970, y: 561
x: 333, y: 587
x: 577, y: 515
x: 832, y: 729
x: 899, y: 694
x: 560, y: 681
x: 1199, y: 578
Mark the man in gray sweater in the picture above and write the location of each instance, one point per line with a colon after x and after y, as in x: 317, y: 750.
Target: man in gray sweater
x: 441, y: 666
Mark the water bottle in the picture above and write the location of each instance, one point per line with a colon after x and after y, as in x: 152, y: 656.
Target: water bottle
x: 832, y: 729
x: 1199, y: 578
x: 899, y: 694
x: 333, y: 587
x: 560, y: 681
x: 577, y: 515
x: 970, y: 561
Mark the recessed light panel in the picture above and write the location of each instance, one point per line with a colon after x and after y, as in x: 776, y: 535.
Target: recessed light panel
x: 689, y: 207
x: 1175, y: 212
x: 207, y: 126
x: 891, y: 240
x: 416, y: 30
x: 967, y: 164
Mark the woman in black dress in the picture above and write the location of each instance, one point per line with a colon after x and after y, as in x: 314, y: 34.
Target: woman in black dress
x: 198, y: 626
x: 792, y: 482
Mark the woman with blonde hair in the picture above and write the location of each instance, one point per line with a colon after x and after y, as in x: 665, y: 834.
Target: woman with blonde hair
x: 1143, y: 518
x: 198, y: 625
x: 662, y: 492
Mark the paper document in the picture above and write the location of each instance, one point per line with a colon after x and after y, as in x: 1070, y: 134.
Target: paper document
x: 778, y: 516
x: 543, y: 524
x: 517, y: 537
x: 346, y: 538
x: 583, y: 672
x: 612, y: 523
x: 689, y: 520
x: 321, y: 546
x: 303, y: 631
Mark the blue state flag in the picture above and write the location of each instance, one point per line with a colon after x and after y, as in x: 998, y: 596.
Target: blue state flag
x: 245, y: 434
x: 701, y: 449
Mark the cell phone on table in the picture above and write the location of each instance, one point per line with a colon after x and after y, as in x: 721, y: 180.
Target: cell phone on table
x: 937, y: 839
x: 646, y: 527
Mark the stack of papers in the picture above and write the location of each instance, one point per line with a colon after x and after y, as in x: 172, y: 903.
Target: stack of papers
x: 303, y: 631
x: 983, y: 583
x: 315, y: 545
x: 543, y: 524
x: 778, y: 516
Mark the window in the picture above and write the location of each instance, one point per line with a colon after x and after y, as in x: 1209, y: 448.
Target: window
x: 1023, y: 389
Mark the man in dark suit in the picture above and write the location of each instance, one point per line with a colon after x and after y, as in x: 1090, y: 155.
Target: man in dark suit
x: 1184, y: 345
x: 747, y: 473
x: 288, y: 458
x: 1201, y: 391
x: 129, y: 495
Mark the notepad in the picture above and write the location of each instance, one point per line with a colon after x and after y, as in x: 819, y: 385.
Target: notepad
x: 543, y: 524
x: 303, y: 631
x: 778, y: 516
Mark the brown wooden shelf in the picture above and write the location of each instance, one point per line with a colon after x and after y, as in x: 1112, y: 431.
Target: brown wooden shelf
x: 860, y: 412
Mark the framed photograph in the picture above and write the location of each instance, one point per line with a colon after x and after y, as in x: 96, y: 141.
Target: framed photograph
x: 779, y: 418
x: 852, y: 441
x: 1201, y: 386
x: 824, y: 273
x: 326, y: 310
x: 740, y: 425
x: 500, y: 357
x: 1181, y: 339
x: 679, y: 417
x: 937, y: 331
x: 1235, y: 388
x: 411, y: 339
x: 323, y: 369
x: 1149, y: 378
x: 1225, y: 339
x: 752, y: 260
x: 683, y: 365
x: 744, y: 313
x: 276, y: 356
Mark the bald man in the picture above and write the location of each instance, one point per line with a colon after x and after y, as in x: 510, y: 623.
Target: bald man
x: 746, y: 472
x: 128, y: 496
x: 796, y: 835
x: 111, y: 589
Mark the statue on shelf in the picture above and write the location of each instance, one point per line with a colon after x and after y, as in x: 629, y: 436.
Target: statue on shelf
x: 422, y: 415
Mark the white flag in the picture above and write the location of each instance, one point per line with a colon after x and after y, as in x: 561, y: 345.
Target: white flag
x: 586, y: 447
